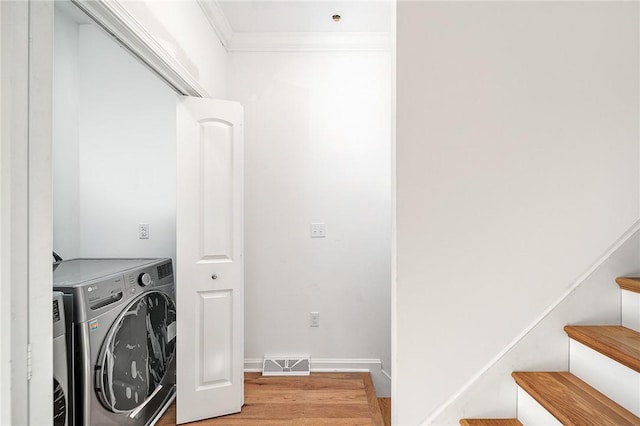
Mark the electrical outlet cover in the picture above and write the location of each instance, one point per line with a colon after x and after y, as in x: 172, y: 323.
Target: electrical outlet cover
x: 143, y: 231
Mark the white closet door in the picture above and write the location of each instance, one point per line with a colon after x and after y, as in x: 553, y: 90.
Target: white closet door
x: 209, y: 264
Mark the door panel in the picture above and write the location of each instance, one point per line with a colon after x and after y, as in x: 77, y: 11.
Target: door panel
x: 216, y: 183
x: 215, y: 336
x: 209, y: 272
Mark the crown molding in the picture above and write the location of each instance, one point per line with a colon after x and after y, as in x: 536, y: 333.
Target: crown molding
x: 288, y: 42
x: 218, y: 20
x: 308, y: 42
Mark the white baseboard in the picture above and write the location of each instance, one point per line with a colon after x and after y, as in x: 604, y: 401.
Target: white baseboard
x: 381, y: 379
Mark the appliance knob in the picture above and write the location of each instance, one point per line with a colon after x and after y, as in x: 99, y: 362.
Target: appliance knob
x: 144, y: 279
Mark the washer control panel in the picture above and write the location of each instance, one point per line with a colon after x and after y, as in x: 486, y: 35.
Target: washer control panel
x: 103, y: 294
x: 144, y: 279
x: 136, y: 281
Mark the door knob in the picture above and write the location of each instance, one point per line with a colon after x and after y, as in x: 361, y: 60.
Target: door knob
x: 214, y: 277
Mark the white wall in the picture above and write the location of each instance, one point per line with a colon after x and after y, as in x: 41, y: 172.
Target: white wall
x: 5, y: 225
x: 517, y: 167
x: 66, y: 207
x: 317, y: 149
x: 114, y: 141
x: 123, y: 156
x: 546, y: 347
x: 127, y: 153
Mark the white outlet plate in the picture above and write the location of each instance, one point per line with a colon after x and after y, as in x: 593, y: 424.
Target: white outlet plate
x: 143, y: 231
x: 314, y: 319
x: 318, y: 230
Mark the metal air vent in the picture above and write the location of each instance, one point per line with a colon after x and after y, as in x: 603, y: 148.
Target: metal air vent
x: 286, y: 366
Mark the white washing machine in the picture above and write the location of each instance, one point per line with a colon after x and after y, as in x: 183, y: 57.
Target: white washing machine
x: 121, y: 336
x: 60, y: 377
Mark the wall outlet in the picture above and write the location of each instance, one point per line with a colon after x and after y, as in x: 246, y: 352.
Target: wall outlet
x: 318, y: 230
x: 143, y: 231
x: 314, y: 319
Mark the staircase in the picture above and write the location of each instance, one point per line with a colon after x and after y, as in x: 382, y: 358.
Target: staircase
x: 602, y: 386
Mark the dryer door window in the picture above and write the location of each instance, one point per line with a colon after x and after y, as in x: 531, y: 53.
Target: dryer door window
x: 59, y: 405
x: 137, y: 352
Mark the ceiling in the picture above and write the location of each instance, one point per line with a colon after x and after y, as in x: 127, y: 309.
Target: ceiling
x: 266, y: 16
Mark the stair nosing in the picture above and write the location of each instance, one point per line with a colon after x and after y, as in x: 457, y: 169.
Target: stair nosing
x: 629, y: 283
x: 579, y: 391
x: 584, y: 334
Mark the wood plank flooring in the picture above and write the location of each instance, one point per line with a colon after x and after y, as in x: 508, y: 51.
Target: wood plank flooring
x: 321, y: 399
x: 385, y: 408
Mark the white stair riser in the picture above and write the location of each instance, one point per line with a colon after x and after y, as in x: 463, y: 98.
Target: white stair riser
x: 616, y: 381
x: 631, y: 310
x: 531, y: 413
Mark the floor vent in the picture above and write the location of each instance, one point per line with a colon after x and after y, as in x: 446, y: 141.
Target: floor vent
x: 286, y: 366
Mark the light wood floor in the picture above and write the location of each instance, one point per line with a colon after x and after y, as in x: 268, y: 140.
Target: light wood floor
x: 321, y: 399
x: 385, y: 408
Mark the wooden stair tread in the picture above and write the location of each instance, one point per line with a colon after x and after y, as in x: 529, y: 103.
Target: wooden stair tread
x: 617, y: 342
x: 629, y: 283
x: 572, y: 401
x: 490, y: 422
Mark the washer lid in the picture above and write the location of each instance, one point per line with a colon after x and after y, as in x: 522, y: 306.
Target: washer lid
x: 137, y: 352
x: 77, y: 271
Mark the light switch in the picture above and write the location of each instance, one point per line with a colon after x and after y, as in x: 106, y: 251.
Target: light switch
x: 318, y: 230
x: 314, y: 319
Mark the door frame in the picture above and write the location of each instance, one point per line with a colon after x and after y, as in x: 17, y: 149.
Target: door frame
x: 26, y: 225
x: 26, y: 221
